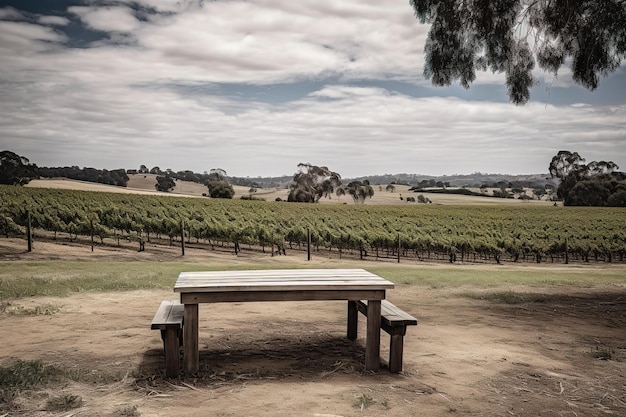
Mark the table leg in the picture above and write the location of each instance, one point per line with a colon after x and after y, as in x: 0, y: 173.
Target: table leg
x: 372, y: 341
x: 353, y: 320
x: 191, y: 355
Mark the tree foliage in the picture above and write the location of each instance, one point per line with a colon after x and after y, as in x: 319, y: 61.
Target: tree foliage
x: 116, y: 177
x: 511, y: 36
x: 218, y: 185
x: 164, y: 183
x: 593, y: 184
x: 15, y: 169
x: 312, y: 182
x: 220, y: 189
x: 358, y: 190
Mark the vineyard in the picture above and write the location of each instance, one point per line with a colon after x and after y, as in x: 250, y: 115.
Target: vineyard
x: 418, y: 232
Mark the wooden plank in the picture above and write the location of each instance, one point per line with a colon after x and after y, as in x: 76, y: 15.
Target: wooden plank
x: 161, y: 314
x: 279, y: 280
x: 252, y: 296
x: 191, y: 355
x: 372, y: 341
x: 392, y: 315
x: 169, y: 313
x: 353, y: 320
x: 172, y: 352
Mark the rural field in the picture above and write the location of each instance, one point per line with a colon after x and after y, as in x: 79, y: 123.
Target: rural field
x: 519, y: 339
x: 144, y: 184
x: 491, y: 340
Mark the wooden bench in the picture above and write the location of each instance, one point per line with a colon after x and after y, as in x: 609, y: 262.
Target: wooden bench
x: 393, y: 320
x: 169, y: 320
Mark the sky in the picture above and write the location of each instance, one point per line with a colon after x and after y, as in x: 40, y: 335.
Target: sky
x: 256, y: 87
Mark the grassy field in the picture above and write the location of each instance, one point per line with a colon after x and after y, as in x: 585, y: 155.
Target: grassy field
x: 59, y: 278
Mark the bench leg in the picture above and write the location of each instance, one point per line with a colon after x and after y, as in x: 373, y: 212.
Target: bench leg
x: 353, y: 320
x: 191, y: 356
x: 172, y: 351
x: 372, y: 341
x: 396, y: 346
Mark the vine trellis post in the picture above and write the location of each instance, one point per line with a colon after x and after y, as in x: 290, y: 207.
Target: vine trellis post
x: 399, y: 247
x: 308, y: 244
x: 182, y: 237
x: 29, y: 232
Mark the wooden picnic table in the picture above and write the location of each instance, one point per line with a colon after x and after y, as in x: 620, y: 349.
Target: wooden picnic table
x: 282, y: 285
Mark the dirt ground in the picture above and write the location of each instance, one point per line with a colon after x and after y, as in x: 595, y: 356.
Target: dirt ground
x: 563, y: 354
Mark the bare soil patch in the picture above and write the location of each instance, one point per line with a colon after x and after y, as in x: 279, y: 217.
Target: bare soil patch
x: 560, y: 351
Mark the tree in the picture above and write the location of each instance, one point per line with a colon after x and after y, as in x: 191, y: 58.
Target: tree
x: 220, y: 189
x: 143, y: 169
x: 217, y: 174
x: 593, y: 184
x: 511, y: 36
x: 15, y: 169
x: 359, y: 190
x: 311, y: 183
x: 391, y: 188
x: 218, y: 185
x: 165, y: 183
x: 564, y: 163
x: 156, y: 170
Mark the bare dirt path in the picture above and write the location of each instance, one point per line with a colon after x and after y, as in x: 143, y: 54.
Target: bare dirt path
x: 562, y: 354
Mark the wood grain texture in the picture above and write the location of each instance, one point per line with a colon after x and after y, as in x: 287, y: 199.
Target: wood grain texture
x: 280, y: 280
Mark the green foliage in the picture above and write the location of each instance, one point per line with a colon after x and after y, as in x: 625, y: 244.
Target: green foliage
x: 510, y: 36
x: 15, y: 169
x: 593, y: 184
x: 164, y: 183
x: 425, y: 231
x: 311, y: 183
x: 220, y: 189
x: 358, y: 190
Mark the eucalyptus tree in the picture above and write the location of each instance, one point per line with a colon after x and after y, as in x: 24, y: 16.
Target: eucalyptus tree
x: 218, y: 185
x: 311, y: 183
x: 512, y: 36
x: 16, y: 169
x: 593, y: 184
x: 358, y: 190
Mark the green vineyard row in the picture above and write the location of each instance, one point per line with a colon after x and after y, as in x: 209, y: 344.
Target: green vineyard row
x: 522, y: 232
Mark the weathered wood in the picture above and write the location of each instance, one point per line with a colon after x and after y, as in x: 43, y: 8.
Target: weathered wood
x: 172, y: 352
x: 372, y: 341
x: 191, y: 355
x: 169, y: 320
x: 277, y: 285
x: 393, y: 321
x: 353, y: 318
x: 250, y: 296
x: 279, y: 280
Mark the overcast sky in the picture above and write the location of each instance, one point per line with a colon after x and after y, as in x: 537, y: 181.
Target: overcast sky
x: 256, y: 87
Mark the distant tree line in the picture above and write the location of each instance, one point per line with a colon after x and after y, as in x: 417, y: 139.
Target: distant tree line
x: 17, y: 170
x: 116, y: 177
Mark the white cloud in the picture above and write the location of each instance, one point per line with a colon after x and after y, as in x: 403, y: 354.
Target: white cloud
x: 54, y: 20
x: 10, y: 13
x: 120, y: 105
x: 107, y: 19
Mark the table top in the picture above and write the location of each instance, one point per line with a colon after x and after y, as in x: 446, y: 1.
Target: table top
x: 280, y: 280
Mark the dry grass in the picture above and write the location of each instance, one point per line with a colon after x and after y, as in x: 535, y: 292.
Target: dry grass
x: 144, y: 184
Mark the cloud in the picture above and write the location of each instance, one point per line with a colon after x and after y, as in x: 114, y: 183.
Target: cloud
x: 171, y: 88
x: 107, y: 19
x: 10, y: 13
x: 54, y: 20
